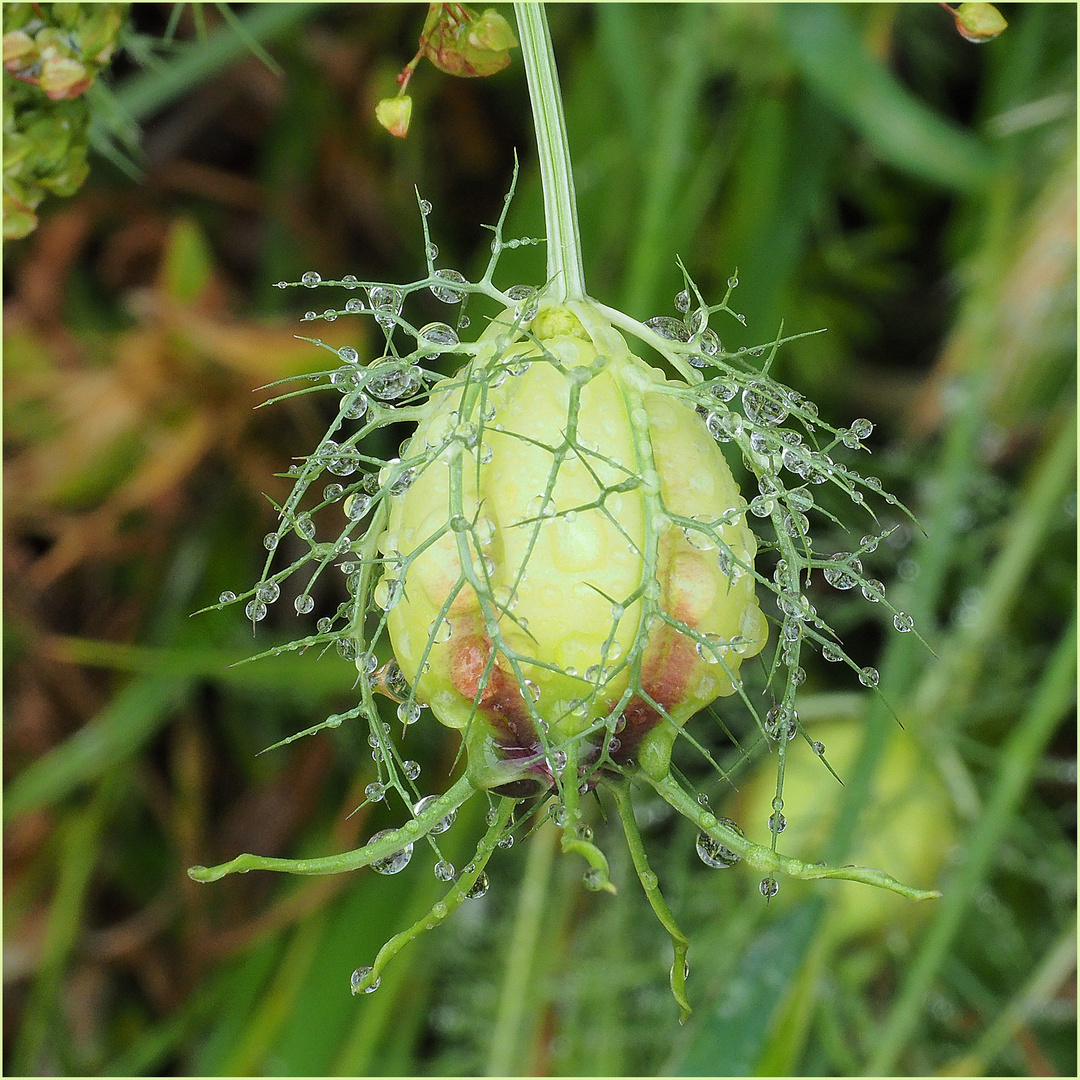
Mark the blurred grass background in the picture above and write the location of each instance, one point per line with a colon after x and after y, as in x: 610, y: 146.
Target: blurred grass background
x: 867, y: 171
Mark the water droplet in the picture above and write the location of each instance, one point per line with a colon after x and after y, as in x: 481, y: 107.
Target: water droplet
x: 255, y: 610
x: 593, y: 879
x: 432, y: 251
x: 768, y: 887
x: 443, y: 292
x: 346, y: 648
x: 388, y: 592
x: 304, y: 527
x: 439, y: 333
x: 862, y: 428
x: 666, y: 327
x: 268, y: 592
x: 682, y: 301
x: 425, y: 207
x: 777, y: 823
x: 375, y: 792
x: 389, y: 379
x: 349, y: 354
x: 440, y: 633
x: 411, y: 769
x: 310, y: 279
x: 270, y: 541
x: 359, y: 977
x: 506, y: 841
x: 713, y: 853
x: 778, y: 720
x: 869, y: 676
x: 444, y: 870
x: 903, y: 622
x: 479, y: 887
x: 226, y: 597
x: 330, y: 314
x: 303, y: 604
x: 396, y: 861
x: 763, y: 405
x: 349, y: 281
x: 408, y: 712
x: 843, y: 575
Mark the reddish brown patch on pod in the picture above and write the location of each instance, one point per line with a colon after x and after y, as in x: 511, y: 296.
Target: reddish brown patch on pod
x: 668, y: 662
x: 498, y: 698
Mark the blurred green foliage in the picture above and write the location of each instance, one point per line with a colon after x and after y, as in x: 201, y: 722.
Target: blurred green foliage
x: 867, y: 171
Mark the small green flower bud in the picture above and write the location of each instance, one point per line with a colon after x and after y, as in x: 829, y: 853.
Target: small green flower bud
x: 394, y: 113
x: 548, y: 582
x: 979, y: 22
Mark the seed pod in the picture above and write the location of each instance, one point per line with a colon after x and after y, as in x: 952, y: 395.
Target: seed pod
x: 557, y: 466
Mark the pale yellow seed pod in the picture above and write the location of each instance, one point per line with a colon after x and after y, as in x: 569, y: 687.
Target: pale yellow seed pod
x: 556, y: 466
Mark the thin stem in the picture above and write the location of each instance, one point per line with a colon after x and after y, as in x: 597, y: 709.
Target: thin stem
x: 566, y: 275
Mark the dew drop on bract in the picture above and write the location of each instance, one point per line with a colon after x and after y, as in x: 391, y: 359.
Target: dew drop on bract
x: 303, y: 604
x: 396, y: 861
x: 408, y: 712
x: 443, y: 292
x: 843, y: 574
x: 255, y: 610
x: 268, y: 592
x: 768, y: 887
x: 903, y: 622
x: 479, y: 887
x: 666, y: 327
x: 411, y: 769
x: 444, y: 870
x: 443, y: 823
x: 682, y: 301
x: 375, y: 792
x: 359, y: 977
x: 310, y: 279
x: 226, y: 597
x: 713, y: 853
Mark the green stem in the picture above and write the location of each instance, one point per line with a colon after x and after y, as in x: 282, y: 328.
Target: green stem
x: 347, y: 860
x: 566, y: 275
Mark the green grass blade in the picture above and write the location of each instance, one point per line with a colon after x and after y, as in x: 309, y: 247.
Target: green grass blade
x: 118, y: 733
x: 1020, y: 755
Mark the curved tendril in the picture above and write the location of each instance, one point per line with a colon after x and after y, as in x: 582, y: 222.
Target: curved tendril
x: 762, y: 858
x: 382, y: 848
x: 441, y: 910
x: 679, y: 943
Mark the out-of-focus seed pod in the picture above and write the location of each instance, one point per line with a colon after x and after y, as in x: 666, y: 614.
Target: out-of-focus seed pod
x: 979, y: 22
x: 574, y: 550
x: 395, y: 113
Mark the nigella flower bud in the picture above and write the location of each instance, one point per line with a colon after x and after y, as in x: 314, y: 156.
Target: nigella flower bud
x: 575, y: 550
x: 394, y: 113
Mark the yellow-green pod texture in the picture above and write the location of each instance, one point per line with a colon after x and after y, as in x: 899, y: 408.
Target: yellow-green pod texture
x: 555, y: 464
